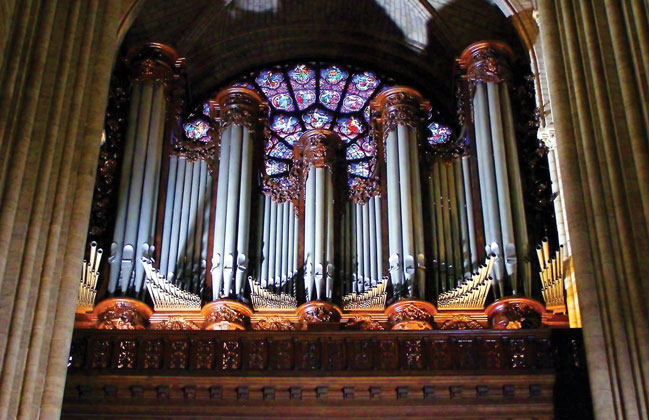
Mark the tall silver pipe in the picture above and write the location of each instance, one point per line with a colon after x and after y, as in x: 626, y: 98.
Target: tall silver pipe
x: 232, y: 209
x: 455, y: 223
x: 192, y: 227
x: 320, y: 213
x: 266, y: 239
x: 243, y: 222
x: 374, y: 263
x: 135, y: 189
x: 117, y: 245
x: 200, y: 242
x: 462, y: 216
x: 174, y: 239
x: 516, y: 189
x: 279, y: 246
x: 168, y: 218
x: 417, y: 214
x: 367, y: 262
x: 219, y: 218
x: 289, y: 251
x: 295, y: 238
x: 286, y: 234
x: 184, y: 223
x: 502, y: 183
x: 433, y: 224
x: 448, y: 235
x: 329, y: 254
x: 488, y: 183
x: 309, y: 233
x: 394, y: 209
x: 439, y: 224
x: 272, y: 243
x: 405, y: 179
x: 353, y: 268
x: 360, y: 258
x: 470, y: 220
x: 379, y: 237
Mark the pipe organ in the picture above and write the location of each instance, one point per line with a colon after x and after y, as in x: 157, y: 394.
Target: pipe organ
x: 288, y: 196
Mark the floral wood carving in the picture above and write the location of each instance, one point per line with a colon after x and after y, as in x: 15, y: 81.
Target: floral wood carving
x: 224, y: 313
x: 274, y: 324
x: 397, y: 106
x: 365, y: 323
x: 176, y: 323
x: 486, y: 61
x: 361, y: 192
x: 461, y: 322
x: 409, y: 312
x: 121, y: 316
x: 317, y: 148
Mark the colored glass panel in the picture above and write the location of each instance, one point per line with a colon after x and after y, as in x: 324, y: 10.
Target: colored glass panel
x: 278, y: 149
x: 197, y: 130
x: 284, y: 125
x: 275, y: 167
x: 317, y: 118
x: 438, y: 134
x: 362, y: 169
x: 349, y: 127
x: 352, y: 103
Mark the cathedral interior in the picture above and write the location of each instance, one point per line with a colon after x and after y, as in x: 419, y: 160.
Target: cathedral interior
x: 256, y: 209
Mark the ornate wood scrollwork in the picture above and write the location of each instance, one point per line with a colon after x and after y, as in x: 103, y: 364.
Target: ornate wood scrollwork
x: 316, y: 311
x: 461, y: 322
x: 274, y: 324
x: 240, y: 106
x: 317, y: 148
x: 122, y: 314
x: 226, y: 314
x: 411, y: 315
x: 154, y: 62
x: 486, y: 61
x: 397, y: 106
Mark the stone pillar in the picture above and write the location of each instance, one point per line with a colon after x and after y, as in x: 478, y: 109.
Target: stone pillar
x: 317, y: 154
x: 397, y: 114
x: 153, y: 66
x: 240, y: 115
x: 53, y: 95
x: 487, y: 68
x: 597, y: 61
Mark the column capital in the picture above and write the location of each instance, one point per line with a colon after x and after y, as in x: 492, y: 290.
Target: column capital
x: 239, y: 106
x: 398, y: 105
x: 486, y: 61
x: 318, y: 148
x: 153, y: 61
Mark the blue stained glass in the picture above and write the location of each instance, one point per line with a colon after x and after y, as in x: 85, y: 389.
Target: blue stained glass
x: 438, y: 134
x: 293, y: 138
x: 274, y: 167
x: 206, y: 108
x: 368, y: 145
x: 245, y: 85
x: 282, y: 101
x: 330, y: 99
x: 352, y: 181
x: 285, y: 124
x: 301, y: 74
x: 367, y: 114
x: 269, y: 80
x: 304, y: 98
x: 317, y: 118
x: 277, y: 148
x: 365, y: 82
x: 354, y: 152
x: 352, y: 103
x: 349, y: 127
x: 362, y: 169
x: 333, y: 75
x: 197, y: 130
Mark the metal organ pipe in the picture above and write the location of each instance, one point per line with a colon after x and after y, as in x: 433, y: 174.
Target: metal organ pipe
x: 394, y: 210
x: 232, y: 208
x: 221, y: 204
x: 243, y: 226
x: 266, y: 240
x: 169, y: 206
x: 473, y: 242
x: 309, y: 234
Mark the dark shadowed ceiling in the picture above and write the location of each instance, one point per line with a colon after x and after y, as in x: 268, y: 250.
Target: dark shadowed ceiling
x: 414, y: 41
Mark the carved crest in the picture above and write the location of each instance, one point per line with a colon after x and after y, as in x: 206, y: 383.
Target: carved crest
x: 274, y: 324
x: 461, y: 322
x: 176, y: 323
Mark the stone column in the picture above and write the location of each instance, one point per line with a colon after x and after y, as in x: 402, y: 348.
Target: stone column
x: 239, y: 113
x: 487, y: 68
x: 317, y: 155
x: 397, y: 114
x: 153, y: 66
x: 597, y: 60
x: 53, y: 95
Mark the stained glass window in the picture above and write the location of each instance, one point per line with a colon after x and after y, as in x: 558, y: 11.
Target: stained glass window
x: 438, y: 134
x: 197, y: 129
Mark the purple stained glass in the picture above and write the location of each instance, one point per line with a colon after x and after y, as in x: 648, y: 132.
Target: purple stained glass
x: 304, y: 98
x: 354, y: 151
x: 333, y: 75
x: 275, y: 167
x: 269, y: 80
x: 352, y: 103
x: 368, y: 145
x: 365, y: 82
x: 197, y: 130
x: 206, y: 108
x: 438, y: 134
x: 284, y: 125
x: 367, y: 114
x: 293, y: 138
x: 349, y: 127
x: 352, y: 181
x: 276, y: 148
x: 317, y: 118
x: 330, y: 99
x: 362, y: 169
x: 246, y: 85
x: 282, y: 101
x: 301, y: 75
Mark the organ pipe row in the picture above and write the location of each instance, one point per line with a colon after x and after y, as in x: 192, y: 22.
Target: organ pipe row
x: 165, y: 295
x: 185, y: 228
x: 89, y: 278
x: 279, y: 234
x: 371, y: 247
x: 362, y: 246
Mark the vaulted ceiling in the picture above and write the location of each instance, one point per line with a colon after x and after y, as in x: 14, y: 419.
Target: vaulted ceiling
x: 414, y: 41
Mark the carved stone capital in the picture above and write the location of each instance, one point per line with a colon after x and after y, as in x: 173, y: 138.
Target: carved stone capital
x: 317, y: 311
x: 225, y: 314
x: 515, y: 313
x: 153, y: 61
x: 239, y: 106
x: 411, y: 315
x: 397, y: 106
x: 122, y: 314
x: 317, y: 148
x: 486, y: 61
